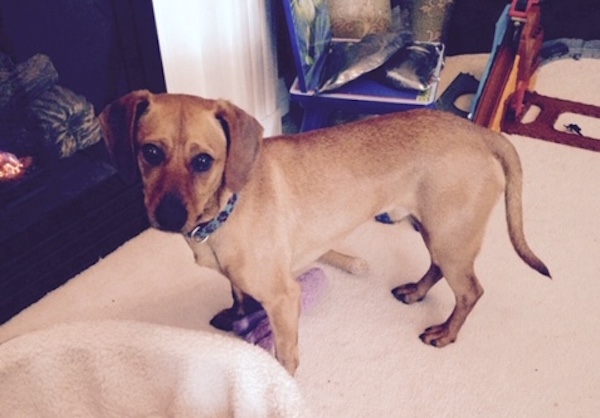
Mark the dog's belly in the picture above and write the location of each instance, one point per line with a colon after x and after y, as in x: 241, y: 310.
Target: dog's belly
x: 326, y: 235
x: 303, y: 261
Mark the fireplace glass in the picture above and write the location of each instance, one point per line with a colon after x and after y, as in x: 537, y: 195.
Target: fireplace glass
x: 62, y: 204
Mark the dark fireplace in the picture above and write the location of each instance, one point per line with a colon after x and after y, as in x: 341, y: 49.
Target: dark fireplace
x: 61, y: 62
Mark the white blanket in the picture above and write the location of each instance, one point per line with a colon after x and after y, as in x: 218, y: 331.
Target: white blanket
x: 125, y: 369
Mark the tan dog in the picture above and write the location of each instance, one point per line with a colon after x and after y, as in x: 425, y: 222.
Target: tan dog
x: 271, y: 208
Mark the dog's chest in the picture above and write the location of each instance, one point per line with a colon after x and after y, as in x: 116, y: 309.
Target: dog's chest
x: 204, y: 255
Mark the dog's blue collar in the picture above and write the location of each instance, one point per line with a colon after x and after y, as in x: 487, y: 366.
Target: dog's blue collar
x: 204, y: 230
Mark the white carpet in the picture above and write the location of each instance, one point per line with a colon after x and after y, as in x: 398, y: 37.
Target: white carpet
x: 530, y: 348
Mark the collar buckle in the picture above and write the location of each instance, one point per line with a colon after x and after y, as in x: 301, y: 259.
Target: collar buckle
x: 198, y: 236
x: 202, y: 232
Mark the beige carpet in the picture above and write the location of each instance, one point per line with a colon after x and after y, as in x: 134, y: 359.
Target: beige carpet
x: 531, y: 347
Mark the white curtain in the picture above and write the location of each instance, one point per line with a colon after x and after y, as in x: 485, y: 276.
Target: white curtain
x: 223, y: 49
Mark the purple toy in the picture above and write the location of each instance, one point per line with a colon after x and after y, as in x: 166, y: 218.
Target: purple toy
x: 254, y: 327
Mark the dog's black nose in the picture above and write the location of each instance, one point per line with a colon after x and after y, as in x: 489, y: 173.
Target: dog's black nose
x: 171, y: 214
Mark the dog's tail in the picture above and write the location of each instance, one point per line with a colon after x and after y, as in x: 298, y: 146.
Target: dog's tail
x: 507, y: 155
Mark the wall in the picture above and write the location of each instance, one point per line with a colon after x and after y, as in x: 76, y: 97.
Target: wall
x: 223, y: 49
x: 473, y: 22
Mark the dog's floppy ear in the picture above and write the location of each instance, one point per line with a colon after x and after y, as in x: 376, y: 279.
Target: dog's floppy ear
x: 244, y: 136
x: 119, y: 125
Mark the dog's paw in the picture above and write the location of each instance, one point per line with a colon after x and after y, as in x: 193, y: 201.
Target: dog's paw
x: 224, y: 320
x: 357, y: 266
x: 437, y: 336
x: 408, y: 293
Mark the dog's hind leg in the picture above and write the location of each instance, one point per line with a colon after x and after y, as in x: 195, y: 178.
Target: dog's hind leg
x: 453, y: 247
x: 415, y: 292
x: 467, y: 292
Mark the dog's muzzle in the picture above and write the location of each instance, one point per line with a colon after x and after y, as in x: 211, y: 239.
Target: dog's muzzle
x: 171, y: 214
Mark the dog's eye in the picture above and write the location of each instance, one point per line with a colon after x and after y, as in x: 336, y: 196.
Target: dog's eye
x: 202, y: 163
x: 153, y: 154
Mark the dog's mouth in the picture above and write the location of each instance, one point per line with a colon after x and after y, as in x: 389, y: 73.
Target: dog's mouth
x: 171, y: 215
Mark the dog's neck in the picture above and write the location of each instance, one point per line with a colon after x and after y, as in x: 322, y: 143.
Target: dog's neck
x: 201, y: 232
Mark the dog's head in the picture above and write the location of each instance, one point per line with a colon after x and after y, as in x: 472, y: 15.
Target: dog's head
x: 192, y: 153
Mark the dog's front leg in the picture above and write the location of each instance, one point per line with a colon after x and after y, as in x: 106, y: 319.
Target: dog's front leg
x: 282, y: 305
x: 242, y: 305
x: 347, y: 263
